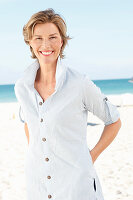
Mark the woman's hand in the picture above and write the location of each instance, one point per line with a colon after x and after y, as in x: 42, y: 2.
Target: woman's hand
x: 93, y: 156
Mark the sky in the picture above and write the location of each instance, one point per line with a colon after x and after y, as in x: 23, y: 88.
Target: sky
x: 101, y: 31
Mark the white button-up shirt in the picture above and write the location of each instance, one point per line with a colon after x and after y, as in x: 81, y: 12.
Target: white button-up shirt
x: 58, y: 162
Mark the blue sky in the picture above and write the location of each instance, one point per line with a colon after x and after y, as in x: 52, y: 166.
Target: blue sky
x: 102, y: 31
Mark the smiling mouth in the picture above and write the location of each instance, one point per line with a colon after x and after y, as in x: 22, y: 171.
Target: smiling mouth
x: 46, y: 53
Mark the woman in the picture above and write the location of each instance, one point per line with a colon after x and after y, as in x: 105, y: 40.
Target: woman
x: 55, y: 101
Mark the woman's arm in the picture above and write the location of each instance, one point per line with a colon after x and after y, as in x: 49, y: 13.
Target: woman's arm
x: 26, y: 131
x: 109, y: 133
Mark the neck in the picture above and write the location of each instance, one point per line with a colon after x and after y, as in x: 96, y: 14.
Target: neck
x: 46, y: 73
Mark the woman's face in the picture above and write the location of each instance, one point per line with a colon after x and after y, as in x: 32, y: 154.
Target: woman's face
x: 46, y: 42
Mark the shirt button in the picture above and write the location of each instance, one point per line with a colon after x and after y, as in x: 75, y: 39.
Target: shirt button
x: 49, y: 196
x: 47, y: 159
x: 40, y: 103
x: 41, y: 120
x: 44, y: 139
x: 49, y: 177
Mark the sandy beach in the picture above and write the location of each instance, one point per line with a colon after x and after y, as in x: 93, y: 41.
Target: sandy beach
x: 114, y: 166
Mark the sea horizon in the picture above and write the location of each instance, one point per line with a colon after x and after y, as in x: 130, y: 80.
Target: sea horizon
x: 107, y: 86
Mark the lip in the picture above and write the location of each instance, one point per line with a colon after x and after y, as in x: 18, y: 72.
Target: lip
x: 46, y: 51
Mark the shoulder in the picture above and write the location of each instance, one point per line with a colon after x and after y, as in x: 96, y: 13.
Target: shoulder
x: 82, y: 78
x: 74, y: 74
x: 18, y: 83
x: 25, y: 75
x: 84, y: 82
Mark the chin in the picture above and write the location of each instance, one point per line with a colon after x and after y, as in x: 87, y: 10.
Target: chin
x: 48, y: 60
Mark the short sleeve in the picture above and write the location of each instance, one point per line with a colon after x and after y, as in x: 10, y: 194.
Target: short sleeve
x: 21, y: 115
x: 97, y: 103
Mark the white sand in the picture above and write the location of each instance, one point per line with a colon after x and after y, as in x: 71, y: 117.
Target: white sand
x: 114, y: 166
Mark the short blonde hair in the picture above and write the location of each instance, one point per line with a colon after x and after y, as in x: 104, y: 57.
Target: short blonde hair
x: 41, y: 17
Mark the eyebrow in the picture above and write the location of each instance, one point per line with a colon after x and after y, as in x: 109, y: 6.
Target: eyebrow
x: 49, y: 35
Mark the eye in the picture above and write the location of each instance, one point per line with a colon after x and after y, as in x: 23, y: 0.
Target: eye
x: 52, y: 37
x: 38, y: 38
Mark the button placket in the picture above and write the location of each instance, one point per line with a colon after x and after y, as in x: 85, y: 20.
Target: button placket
x: 42, y: 107
x: 40, y: 103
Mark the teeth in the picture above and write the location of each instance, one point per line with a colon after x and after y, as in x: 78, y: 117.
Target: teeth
x: 46, y: 53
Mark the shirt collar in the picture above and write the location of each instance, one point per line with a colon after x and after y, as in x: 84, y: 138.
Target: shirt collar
x: 31, y: 71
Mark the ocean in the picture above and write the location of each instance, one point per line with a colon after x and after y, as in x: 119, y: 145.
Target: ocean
x: 111, y: 86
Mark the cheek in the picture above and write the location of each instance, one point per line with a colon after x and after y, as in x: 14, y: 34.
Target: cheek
x: 35, y: 46
x: 35, y: 49
x: 57, y: 45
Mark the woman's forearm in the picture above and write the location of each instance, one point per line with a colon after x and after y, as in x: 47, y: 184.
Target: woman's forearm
x: 108, y: 135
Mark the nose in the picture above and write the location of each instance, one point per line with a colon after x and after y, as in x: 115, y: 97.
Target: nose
x: 46, y: 43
